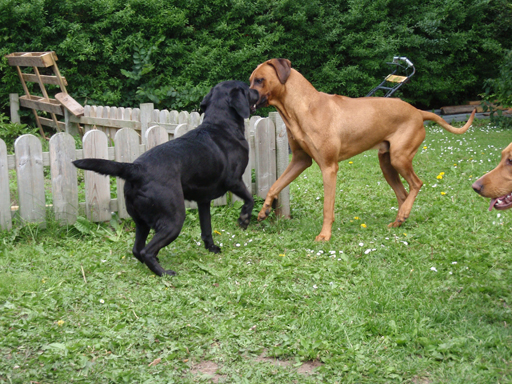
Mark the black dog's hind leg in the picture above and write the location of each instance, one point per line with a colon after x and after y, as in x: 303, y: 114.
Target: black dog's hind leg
x: 141, y: 234
x: 167, y: 229
x: 245, y: 213
x: 205, y: 220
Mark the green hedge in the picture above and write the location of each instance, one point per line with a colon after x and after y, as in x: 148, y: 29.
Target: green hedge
x: 170, y: 52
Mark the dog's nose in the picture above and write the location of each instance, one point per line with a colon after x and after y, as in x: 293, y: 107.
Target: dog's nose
x: 477, y: 187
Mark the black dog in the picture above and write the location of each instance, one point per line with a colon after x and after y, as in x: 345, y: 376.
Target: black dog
x: 202, y: 165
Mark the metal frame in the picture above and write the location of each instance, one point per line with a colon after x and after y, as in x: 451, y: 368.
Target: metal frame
x: 404, y: 67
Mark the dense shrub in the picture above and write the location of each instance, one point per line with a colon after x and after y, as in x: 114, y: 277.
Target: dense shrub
x: 498, y: 93
x: 123, y: 52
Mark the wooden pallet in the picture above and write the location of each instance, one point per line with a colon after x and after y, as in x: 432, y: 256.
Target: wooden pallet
x: 57, y: 106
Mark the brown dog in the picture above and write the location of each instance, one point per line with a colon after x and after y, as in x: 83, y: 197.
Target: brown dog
x: 331, y: 128
x: 497, y: 184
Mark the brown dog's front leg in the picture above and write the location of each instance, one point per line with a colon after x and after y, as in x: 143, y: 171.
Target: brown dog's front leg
x: 329, y: 173
x: 300, y: 161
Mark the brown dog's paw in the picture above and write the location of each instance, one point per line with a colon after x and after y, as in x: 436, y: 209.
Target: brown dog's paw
x: 263, y: 213
x: 395, y: 224
x: 322, y: 237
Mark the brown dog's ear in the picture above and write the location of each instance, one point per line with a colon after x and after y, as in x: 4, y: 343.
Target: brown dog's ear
x: 238, y: 101
x: 283, y: 68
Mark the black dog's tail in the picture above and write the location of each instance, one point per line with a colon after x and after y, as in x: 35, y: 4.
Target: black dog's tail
x: 126, y: 171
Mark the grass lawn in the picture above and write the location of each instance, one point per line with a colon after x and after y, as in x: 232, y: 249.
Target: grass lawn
x: 429, y: 302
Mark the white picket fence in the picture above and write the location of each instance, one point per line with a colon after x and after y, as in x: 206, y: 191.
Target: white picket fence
x: 268, y: 158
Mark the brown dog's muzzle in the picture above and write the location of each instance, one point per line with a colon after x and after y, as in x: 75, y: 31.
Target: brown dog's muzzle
x: 499, y: 203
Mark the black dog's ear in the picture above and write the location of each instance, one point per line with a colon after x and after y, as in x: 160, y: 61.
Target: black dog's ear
x: 206, y: 101
x: 239, y: 102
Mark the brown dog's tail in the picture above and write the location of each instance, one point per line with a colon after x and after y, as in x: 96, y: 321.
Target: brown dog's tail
x: 439, y: 120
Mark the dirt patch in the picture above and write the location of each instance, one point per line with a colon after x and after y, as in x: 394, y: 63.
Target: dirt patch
x: 307, y: 367
x: 421, y: 380
x: 207, y: 368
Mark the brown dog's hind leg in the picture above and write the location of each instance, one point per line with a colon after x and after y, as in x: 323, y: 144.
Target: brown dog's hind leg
x: 300, y: 161
x: 392, y: 177
x: 403, y: 164
x: 329, y: 174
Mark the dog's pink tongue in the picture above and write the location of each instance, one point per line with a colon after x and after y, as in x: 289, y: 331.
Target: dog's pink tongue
x: 493, y: 201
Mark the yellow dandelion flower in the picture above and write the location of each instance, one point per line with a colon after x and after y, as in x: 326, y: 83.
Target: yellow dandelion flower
x: 351, y: 162
x: 356, y: 218
x: 282, y: 255
x: 217, y: 232
x: 60, y: 323
x: 425, y: 147
x: 441, y: 173
x: 439, y: 177
x: 363, y: 225
x: 443, y: 193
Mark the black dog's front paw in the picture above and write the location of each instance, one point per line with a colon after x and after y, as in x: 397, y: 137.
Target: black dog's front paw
x: 169, y: 272
x: 243, y: 221
x: 213, y: 248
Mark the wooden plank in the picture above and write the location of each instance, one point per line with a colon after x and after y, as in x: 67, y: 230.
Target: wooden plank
x: 156, y: 135
x: 265, y: 156
x: 53, y: 80
x: 183, y: 117
x: 164, y: 116
x: 451, y: 110
x: 32, y: 59
x: 174, y: 117
x: 97, y: 187
x: 170, y: 128
x: 282, y: 161
x: 64, y: 178
x: 127, y: 114
x: 126, y: 148
x: 71, y: 104
x: 5, y: 196
x: 146, y: 112
x: 195, y: 119
x: 247, y: 176
x: 61, y: 126
x: 14, y: 102
x: 181, y: 129
x: 41, y: 104
x: 252, y: 149
x: 29, y: 171
x: 102, y: 122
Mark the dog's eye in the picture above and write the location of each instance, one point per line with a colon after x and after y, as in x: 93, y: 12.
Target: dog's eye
x: 259, y: 81
x: 509, y: 162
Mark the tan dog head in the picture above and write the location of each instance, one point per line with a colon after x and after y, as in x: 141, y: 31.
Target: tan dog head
x: 269, y: 78
x: 497, y: 184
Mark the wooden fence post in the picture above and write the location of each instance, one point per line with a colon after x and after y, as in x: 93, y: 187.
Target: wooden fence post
x: 282, y: 160
x: 156, y: 135
x: 5, y: 198
x: 64, y: 180
x: 146, y: 113
x: 126, y: 150
x: 14, y: 101
x: 97, y: 187
x: 29, y: 170
x: 265, y: 141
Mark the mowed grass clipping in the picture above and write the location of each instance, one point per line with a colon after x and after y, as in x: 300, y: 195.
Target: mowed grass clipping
x: 429, y: 302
